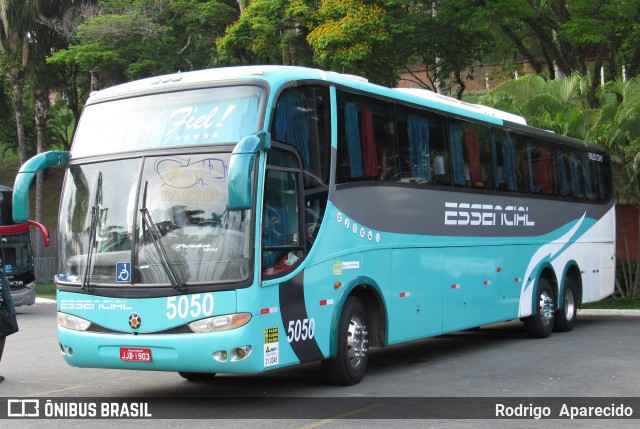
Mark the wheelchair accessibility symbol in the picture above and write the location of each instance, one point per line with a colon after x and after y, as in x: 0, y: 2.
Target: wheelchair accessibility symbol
x: 123, y: 272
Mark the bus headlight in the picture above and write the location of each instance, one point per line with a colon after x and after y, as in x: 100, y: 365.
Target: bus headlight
x: 220, y: 323
x: 72, y: 322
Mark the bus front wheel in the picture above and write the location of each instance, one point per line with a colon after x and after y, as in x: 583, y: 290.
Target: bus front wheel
x: 197, y: 376
x: 540, y: 323
x: 350, y: 363
x: 565, y: 317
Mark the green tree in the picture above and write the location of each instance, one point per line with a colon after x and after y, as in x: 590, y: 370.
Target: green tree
x: 17, y: 19
x: 374, y: 38
x: 567, y: 36
x: 123, y: 40
x: 559, y: 106
x: 26, y: 39
x: 353, y: 36
x: 268, y: 31
x: 448, y: 41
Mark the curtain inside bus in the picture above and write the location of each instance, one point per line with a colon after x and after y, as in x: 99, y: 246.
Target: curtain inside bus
x: 369, y: 144
x: 418, y: 130
x: 455, y: 145
x: 353, y: 138
x: 509, y: 158
x: 292, y: 123
x: 472, y: 144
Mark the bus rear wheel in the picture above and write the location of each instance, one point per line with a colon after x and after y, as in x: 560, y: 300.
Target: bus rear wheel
x: 350, y: 363
x: 540, y: 323
x: 565, y: 317
x: 197, y: 376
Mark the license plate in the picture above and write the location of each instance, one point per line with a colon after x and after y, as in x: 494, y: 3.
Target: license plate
x: 130, y: 354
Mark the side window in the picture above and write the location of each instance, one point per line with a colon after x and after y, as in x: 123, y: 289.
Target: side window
x: 570, y: 174
x: 423, y: 154
x: 577, y: 179
x: 367, y: 147
x: 506, y: 154
x: 5, y: 208
x: 281, y: 245
x: 590, y: 172
x: 470, y: 154
x: 302, y: 120
x: 601, y: 168
x: 539, y: 167
x: 563, y: 173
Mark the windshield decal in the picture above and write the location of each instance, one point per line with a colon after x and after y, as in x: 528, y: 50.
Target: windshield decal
x: 202, y: 246
x: 188, y: 125
x: 183, y: 173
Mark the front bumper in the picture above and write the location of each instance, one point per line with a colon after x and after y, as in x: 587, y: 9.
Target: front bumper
x: 169, y: 352
x: 24, y: 295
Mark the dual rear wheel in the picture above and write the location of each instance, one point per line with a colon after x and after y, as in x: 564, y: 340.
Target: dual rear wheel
x: 566, y: 315
x: 546, y: 319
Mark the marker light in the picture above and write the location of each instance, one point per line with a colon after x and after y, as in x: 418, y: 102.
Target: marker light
x: 240, y: 353
x: 72, y: 322
x: 220, y: 356
x: 220, y: 323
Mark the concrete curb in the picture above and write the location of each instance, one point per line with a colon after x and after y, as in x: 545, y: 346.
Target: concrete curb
x: 45, y: 301
x: 628, y: 313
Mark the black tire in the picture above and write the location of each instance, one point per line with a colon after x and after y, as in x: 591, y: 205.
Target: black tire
x: 565, y: 316
x: 540, y: 323
x: 197, y: 376
x: 350, y: 363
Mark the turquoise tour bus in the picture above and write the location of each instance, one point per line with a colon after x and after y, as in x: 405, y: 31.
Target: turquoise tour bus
x: 239, y: 220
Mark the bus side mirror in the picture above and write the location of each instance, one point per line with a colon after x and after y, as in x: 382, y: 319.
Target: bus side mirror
x: 28, y: 170
x: 241, y: 169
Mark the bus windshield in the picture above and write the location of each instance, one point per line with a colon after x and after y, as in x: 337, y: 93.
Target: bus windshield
x: 106, y: 240
x: 194, y: 117
x: 16, y: 253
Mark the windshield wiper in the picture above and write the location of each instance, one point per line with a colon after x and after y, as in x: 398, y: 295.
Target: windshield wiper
x: 95, y: 214
x: 174, y: 278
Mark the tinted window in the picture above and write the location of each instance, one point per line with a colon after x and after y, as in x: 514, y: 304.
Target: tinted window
x: 506, y: 156
x: 423, y: 153
x: 470, y: 154
x: 538, y: 167
x: 367, y: 147
x: 302, y: 120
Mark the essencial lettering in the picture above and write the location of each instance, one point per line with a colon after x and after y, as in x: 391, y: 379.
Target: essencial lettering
x: 479, y: 215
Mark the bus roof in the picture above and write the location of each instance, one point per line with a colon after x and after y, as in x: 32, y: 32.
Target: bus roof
x: 278, y: 75
x: 490, y: 111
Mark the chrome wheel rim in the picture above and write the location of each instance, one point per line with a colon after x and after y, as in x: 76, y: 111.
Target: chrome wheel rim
x: 546, y: 308
x: 356, y: 341
x: 569, y: 304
